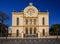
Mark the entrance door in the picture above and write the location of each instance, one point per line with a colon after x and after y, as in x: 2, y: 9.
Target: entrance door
x: 17, y: 33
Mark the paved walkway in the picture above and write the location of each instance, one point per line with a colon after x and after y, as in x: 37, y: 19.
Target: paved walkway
x: 30, y: 41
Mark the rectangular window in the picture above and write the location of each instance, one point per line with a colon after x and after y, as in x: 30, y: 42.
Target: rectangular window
x: 17, y: 21
x: 43, y: 21
x: 34, y: 30
x: 26, y: 30
x: 26, y: 21
x: 30, y: 30
x: 34, y: 21
x: 31, y: 21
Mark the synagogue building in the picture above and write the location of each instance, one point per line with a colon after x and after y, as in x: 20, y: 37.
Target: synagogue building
x: 30, y: 23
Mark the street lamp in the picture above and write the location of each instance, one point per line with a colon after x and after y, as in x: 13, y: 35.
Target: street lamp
x: 57, y: 33
x: 6, y: 33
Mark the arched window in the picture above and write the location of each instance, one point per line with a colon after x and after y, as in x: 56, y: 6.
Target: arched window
x: 30, y: 21
x: 17, y: 33
x: 26, y: 30
x: 43, y: 21
x: 30, y: 30
x: 34, y: 21
x: 17, y: 21
x: 43, y: 32
x: 34, y: 30
x: 26, y: 21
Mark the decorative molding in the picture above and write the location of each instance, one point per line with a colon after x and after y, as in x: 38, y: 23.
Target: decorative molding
x: 32, y: 26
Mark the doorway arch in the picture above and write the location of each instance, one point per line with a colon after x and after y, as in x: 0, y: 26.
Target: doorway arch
x: 17, y: 33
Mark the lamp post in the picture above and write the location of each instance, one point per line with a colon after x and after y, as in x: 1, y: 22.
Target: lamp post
x: 57, y: 33
x: 6, y: 33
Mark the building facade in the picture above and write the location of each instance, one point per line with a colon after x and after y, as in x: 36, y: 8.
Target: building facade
x: 30, y: 23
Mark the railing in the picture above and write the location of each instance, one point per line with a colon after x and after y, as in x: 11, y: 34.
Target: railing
x: 30, y: 35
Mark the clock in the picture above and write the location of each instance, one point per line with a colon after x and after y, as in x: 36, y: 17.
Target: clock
x: 30, y: 11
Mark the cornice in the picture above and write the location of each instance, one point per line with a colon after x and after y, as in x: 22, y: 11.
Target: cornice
x: 32, y: 26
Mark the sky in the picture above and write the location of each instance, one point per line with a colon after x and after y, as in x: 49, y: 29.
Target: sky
x: 53, y: 6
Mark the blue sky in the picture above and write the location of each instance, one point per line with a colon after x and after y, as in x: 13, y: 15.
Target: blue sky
x: 53, y: 6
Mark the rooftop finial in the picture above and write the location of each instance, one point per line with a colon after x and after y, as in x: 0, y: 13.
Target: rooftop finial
x: 30, y: 4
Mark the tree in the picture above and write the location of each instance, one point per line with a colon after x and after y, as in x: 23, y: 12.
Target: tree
x: 53, y: 29
x: 3, y: 31
x: 3, y: 17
